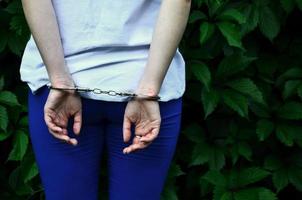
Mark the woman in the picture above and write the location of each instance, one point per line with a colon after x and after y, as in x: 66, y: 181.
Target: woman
x: 124, y: 46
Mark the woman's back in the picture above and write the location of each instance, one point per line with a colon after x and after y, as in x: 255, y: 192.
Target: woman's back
x: 106, y: 23
x: 106, y: 44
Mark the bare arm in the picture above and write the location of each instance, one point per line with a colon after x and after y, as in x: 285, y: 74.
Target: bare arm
x: 43, y: 24
x: 170, y: 26
x: 41, y: 18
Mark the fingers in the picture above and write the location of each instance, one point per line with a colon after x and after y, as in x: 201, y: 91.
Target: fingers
x: 77, y: 122
x: 150, y: 137
x: 126, y: 129
x: 52, y: 126
x: 58, y: 132
x: 135, y: 146
x: 63, y: 137
x: 140, y: 142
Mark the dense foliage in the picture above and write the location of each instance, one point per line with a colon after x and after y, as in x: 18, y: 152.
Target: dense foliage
x: 241, y: 136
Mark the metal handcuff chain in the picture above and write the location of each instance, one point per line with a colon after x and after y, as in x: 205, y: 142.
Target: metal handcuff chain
x: 132, y: 96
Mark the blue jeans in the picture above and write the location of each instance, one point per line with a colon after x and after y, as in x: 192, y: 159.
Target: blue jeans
x: 72, y: 172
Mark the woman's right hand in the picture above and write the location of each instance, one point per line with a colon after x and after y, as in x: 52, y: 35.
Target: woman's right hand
x: 145, y: 115
x: 61, y: 105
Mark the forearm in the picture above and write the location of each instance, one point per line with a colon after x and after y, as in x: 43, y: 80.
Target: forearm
x: 168, y: 31
x: 41, y: 19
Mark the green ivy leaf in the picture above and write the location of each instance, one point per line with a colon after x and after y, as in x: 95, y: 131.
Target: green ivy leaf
x: 206, y: 31
x: 194, y: 133
x: 234, y: 154
x: 293, y: 131
x: 17, y: 184
x: 272, y: 163
x: 295, y: 177
x: 292, y: 73
x: 251, y: 175
x: 260, y: 110
x: 20, y: 143
x: 214, y: 7
x: 14, y: 46
x: 268, y: 23
x: 196, y: 15
x: 245, y: 150
x: 3, y: 39
x: 175, y: 171
x: 265, y: 194
x: 18, y: 25
x: 9, y: 98
x: 14, y: 7
x: 233, y: 64
x: 246, y: 194
x: 205, y: 186
x: 252, y: 14
x: 5, y: 135
x: 231, y: 32
x: 3, y: 118
x: 169, y: 193
x: 290, y: 88
x: 215, y: 177
x: 210, y: 100
x: 219, y: 192
x: 291, y: 110
x: 232, y: 15
x: 227, y: 196
x: 280, y: 179
x: 216, y: 158
x: 288, y: 5
x: 241, y: 148
x: 236, y: 101
x: 29, y: 168
x: 284, y: 136
x: 247, y: 86
x: 259, y: 193
x: 23, y: 122
x: 299, y: 3
x: 299, y: 91
x: 202, y: 73
x: 200, y: 154
x: 1, y: 79
x: 264, y: 129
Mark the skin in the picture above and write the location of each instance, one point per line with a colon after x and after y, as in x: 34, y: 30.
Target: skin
x: 61, y: 105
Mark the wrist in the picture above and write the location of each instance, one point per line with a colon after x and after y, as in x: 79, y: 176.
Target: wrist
x: 149, y: 91
x: 62, y: 82
x: 63, y: 89
x: 149, y: 85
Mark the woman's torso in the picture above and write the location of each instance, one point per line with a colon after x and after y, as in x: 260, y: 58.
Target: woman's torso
x: 106, y: 44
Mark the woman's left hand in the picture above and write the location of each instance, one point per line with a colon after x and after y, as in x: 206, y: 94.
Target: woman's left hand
x: 145, y: 115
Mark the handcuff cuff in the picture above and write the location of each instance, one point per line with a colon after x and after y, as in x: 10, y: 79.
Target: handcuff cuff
x: 132, y: 96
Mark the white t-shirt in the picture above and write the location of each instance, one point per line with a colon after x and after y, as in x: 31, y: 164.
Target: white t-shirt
x: 106, y: 45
